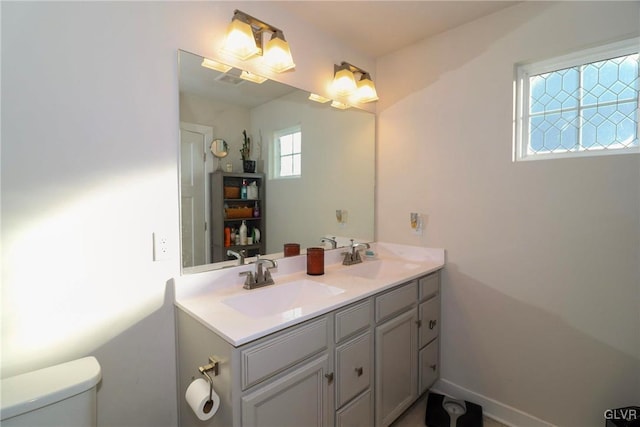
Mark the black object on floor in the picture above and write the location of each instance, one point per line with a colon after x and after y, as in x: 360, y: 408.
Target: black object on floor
x: 443, y: 411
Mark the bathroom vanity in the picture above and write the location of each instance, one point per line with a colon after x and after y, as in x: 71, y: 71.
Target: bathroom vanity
x: 353, y: 347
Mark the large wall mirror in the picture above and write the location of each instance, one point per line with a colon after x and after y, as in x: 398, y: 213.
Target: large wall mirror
x: 331, y: 192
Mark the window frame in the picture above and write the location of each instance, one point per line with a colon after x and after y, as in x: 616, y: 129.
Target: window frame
x: 524, y: 71
x: 277, y: 157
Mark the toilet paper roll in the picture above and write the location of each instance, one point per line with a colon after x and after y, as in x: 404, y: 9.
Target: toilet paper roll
x: 197, y: 396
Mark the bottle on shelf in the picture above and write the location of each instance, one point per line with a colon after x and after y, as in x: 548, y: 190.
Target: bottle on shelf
x: 256, y: 210
x: 227, y: 237
x: 243, y: 233
x: 243, y: 190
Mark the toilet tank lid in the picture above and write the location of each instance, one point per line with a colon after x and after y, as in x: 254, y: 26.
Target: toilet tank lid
x: 33, y: 390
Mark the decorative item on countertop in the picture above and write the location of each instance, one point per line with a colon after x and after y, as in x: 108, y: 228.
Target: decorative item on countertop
x: 248, y: 165
x: 315, y: 261
x: 291, y: 249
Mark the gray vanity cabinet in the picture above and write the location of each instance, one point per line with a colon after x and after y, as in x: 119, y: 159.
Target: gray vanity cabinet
x: 396, y: 352
x: 354, y: 365
x: 429, y: 327
x: 358, y: 366
x: 300, y: 398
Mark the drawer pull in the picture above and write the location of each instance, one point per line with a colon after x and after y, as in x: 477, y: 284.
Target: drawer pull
x: 329, y: 377
x: 359, y: 371
x: 433, y: 367
x: 432, y: 324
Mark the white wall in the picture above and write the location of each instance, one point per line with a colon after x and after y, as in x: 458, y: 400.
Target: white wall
x: 227, y: 122
x: 541, y: 289
x: 338, y: 149
x: 89, y: 172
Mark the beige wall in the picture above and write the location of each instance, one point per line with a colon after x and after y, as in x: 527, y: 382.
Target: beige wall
x: 89, y: 172
x: 541, y: 290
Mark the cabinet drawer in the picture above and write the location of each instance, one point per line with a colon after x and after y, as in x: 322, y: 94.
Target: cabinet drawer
x: 354, y: 368
x: 429, y: 285
x: 277, y: 354
x: 429, y: 315
x: 429, y: 366
x: 395, y: 301
x: 352, y: 320
x: 358, y: 413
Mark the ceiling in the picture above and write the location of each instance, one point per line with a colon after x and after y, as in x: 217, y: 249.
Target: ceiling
x: 377, y: 28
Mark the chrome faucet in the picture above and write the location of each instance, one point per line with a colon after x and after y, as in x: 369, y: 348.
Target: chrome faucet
x: 333, y: 241
x: 261, y: 277
x: 354, y: 257
x: 240, y: 255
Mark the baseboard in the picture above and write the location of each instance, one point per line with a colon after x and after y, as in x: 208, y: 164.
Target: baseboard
x: 491, y: 408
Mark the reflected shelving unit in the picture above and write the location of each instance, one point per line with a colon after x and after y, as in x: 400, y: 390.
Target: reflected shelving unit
x: 228, y: 209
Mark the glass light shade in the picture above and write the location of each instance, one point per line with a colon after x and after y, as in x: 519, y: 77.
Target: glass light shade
x: 277, y: 55
x: 239, y: 41
x: 318, y: 98
x: 366, y: 90
x: 215, y: 65
x: 252, y: 77
x: 344, y: 84
x: 340, y: 105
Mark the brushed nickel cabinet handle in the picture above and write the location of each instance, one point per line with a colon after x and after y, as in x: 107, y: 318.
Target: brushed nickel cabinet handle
x: 329, y: 377
x: 432, y: 324
x: 433, y: 367
x: 359, y: 371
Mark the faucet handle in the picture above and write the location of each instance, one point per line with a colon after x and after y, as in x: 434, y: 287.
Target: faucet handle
x: 249, y: 280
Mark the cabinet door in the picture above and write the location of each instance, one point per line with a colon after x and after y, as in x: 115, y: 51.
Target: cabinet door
x: 428, y: 366
x: 299, y: 398
x: 353, y: 368
x: 396, y: 366
x: 358, y: 413
x: 429, y: 320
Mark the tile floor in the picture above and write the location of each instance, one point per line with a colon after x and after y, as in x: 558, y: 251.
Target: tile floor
x: 414, y: 417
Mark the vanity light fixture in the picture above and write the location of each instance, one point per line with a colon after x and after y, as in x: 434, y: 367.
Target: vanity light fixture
x: 215, y: 65
x: 344, y: 83
x: 366, y: 89
x: 246, y: 75
x: 340, y: 105
x: 244, y: 41
x: 318, y: 98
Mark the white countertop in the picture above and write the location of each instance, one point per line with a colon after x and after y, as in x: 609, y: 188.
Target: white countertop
x: 202, y: 295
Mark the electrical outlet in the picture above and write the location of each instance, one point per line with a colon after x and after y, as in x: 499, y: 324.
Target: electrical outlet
x: 160, y: 247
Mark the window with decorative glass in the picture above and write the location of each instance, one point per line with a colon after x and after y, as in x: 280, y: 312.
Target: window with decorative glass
x: 287, y: 153
x: 581, y: 104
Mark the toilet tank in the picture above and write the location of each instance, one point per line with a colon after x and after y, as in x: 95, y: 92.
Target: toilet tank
x: 61, y: 395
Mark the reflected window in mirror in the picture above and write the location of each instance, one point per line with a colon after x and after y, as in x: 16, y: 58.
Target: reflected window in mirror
x: 287, y: 153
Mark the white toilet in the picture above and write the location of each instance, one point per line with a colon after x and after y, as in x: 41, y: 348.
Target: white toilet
x: 61, y: 395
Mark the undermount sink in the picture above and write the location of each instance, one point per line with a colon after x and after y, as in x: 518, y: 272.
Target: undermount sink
x: 379, y: 269
x: 286, y: 299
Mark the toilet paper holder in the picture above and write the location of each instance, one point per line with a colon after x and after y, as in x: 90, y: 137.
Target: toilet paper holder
x: 213, y: 365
